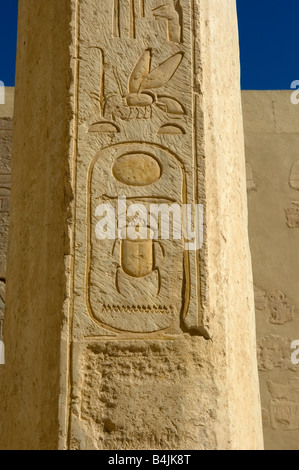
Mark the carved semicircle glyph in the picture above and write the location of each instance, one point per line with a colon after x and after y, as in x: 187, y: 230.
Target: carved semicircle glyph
x: 251, y: 186
x: 171, y: 129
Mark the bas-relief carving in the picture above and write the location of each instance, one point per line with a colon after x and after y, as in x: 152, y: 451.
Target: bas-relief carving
x: 141, y: 83
x: 277, y: 307
x: 128, y: 13
x: 294, y: 176
x: 144, y: 273
x: 281, y: 308
x: 251, y: 186
x: 274, y: 353
x: 284, y: 405
x: 292, y: 212
x: 171, y: 11
x: 260, y: 298
x: 266, y: 418
x: 136, y: 101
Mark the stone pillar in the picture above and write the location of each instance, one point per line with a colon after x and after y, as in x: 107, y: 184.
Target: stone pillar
x: 123, y: 344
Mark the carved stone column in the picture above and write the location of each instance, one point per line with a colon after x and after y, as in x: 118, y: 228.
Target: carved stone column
x: 118, y: 343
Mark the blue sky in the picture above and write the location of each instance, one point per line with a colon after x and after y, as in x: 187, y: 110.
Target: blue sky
x: 269, y: 32
x: 8, y: 40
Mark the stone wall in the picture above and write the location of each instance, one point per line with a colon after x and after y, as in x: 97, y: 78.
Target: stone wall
x: 272, y: 151
x: 6, y: 113
x: 98, y: 355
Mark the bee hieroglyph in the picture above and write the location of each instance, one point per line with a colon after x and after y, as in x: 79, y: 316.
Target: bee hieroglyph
x: 138, y: 102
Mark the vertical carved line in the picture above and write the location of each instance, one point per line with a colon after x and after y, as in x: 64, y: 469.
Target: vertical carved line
x: 116, y: 19
x: 98, y: 58
x: 132, y: 20
x: 71, y: 286
x: 142, y: 8
x: 102, y: 78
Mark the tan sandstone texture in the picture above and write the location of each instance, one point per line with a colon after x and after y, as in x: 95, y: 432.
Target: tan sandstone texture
x: 271, y: 124
x: 128, y: 345
x: 6, y: 113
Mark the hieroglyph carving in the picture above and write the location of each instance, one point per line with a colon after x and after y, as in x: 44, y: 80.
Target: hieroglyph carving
x: 292, y: 214
x: 145, y: 273
x: 128, y: 13
x: 275, y: 304
x: 139, y: 123
x: 274, y: 353
x: 5, y: 187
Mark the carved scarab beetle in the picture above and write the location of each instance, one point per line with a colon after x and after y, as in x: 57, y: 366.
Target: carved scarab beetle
x: 138, y: 254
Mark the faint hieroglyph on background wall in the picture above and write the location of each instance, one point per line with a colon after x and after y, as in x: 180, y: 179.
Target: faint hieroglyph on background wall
x: 292, y: 214
x: 260, y: 298
x: 294, y: 176
x: 145, y: 297
x: 281, y: 308
x: 137, y: 98
x: 274, y: 353
x: 275, y: 305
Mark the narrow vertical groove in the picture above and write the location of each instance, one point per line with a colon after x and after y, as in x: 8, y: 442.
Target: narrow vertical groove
x: 102, y: 91
x: 116, y: 19
x: 142, y: 8
x: 132, y: 20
